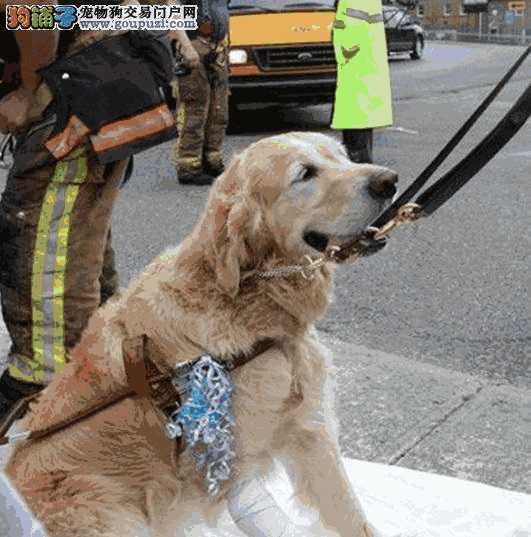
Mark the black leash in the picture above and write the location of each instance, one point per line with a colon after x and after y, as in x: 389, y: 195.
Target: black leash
x: 403, y: 210
x: 459, y: 175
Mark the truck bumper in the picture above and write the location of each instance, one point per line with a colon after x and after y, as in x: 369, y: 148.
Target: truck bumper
x: 306, y: 89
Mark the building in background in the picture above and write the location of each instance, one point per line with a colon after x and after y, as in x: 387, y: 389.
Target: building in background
x: 502, y: 17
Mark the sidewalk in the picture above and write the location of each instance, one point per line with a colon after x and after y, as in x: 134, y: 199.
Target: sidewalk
x: 403, y: 413
x: 398, y: 411
x: 451, y: 35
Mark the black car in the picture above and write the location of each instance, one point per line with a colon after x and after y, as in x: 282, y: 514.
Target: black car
x: 403, y: 32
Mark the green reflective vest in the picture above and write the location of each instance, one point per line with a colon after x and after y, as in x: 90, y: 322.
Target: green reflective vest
x: 363, y: 93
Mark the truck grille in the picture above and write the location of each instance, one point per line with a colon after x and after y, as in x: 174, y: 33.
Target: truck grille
x: 299, y: 57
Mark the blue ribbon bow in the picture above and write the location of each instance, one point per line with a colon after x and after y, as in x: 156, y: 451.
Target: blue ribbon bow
x: 205, y: 420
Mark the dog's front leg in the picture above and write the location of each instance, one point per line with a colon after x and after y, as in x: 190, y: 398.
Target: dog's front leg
x: 320, y: 481
x: 256, y: 511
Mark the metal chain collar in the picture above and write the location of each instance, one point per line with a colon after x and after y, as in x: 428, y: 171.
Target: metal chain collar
x: 306, y: 270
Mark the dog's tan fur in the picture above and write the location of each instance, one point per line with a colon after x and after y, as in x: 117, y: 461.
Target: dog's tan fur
x: 115, y: 474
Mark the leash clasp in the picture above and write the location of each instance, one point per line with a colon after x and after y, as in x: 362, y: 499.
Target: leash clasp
x: 308, y: 270
x: 409, y: 212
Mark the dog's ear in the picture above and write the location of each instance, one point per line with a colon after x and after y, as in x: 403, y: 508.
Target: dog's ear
x: 229, y: 228
x: 231, y: 252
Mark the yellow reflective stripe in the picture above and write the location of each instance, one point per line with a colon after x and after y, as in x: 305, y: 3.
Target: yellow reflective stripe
x: 17, y: 374
x: 39, y: 258
x: 175, y: 90
x: 181, y: 111
x: 214, y: 156
x: 72, y: 191
x: 49, y: 272
x: 58, y: 285
x: 181, y: 116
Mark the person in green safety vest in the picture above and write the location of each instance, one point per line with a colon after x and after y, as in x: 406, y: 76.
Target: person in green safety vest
x: 363, y: 92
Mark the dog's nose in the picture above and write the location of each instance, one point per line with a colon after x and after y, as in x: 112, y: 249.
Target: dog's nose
x: 382, y: 184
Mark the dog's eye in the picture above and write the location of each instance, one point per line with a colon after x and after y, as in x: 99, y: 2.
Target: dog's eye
x: 307, y: 173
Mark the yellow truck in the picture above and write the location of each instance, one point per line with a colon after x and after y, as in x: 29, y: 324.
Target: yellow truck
x: 281, y: 51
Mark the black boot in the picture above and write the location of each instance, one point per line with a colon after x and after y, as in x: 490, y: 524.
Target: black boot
x: 199, y: 178
x: 358, y: 143
x: 214, y: 170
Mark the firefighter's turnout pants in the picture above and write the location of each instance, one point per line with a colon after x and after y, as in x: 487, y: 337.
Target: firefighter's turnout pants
x: 56, y: 261
x: 202, y: 113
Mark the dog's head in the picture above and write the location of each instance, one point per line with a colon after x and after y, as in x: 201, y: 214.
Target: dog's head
x: 291, y: 195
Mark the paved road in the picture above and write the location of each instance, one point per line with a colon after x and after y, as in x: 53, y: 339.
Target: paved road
x: 431, y: 336
x: 454, y: 290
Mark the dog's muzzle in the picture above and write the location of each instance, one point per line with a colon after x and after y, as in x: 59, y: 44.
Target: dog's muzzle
x: 359, y: 245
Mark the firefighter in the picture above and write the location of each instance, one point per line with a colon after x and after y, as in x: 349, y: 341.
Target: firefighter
x: 202, y: 113
x: 56, y: 260
x: 363, y: 93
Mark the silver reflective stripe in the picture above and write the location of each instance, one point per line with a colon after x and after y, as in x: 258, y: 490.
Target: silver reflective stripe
x: 363, y: 15
x: 48, y: 291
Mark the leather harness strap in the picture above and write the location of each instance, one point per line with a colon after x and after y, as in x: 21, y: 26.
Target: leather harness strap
x: 241, y: 359
x: 146, y: 379
x: 15, y: 413
x: 135, y: 365
x: 85, y: 413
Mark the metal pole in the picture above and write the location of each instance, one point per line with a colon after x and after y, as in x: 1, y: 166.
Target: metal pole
x: 524, y: 17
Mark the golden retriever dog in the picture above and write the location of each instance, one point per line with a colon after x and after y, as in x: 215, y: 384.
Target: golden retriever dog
x: 116, y: 474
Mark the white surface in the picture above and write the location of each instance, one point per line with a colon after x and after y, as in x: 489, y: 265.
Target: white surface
x: 406, y: 503
x: 15, y: 518
x: 399, y: 502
